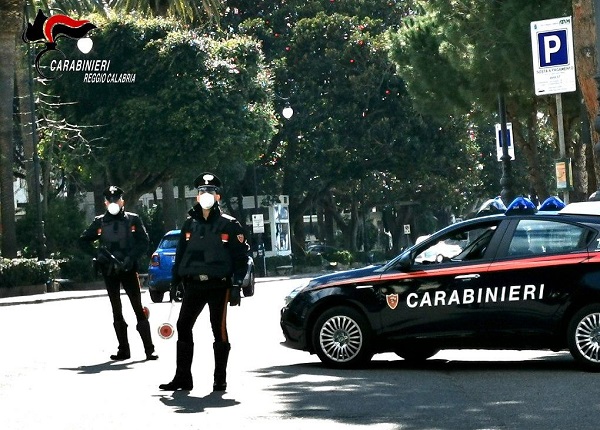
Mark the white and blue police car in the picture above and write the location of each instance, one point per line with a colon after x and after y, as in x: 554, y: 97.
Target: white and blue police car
x: 525, y: 278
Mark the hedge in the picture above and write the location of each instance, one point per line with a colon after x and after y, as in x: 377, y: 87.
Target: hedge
x: 27, y: 271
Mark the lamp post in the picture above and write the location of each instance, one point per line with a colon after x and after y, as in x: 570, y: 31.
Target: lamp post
x: 260, y: 246
x: 287, y: 113
x: 41, y: 237
x: 507, y: 193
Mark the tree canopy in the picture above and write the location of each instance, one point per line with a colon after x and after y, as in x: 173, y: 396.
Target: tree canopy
x: 195, y: 100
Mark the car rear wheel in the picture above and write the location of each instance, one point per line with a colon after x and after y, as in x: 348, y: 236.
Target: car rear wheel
x: 416, y: 354
x: 156, y: 296
x: 342, y: 338
x: 584, y: 337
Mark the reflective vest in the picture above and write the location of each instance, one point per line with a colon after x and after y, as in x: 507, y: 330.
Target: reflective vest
x: 205, y: 253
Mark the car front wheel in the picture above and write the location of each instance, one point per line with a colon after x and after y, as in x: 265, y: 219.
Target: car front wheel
x: 584, y: 337
x: 342, y: 338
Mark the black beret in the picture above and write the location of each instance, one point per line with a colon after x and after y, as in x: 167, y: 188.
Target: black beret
x: 207, y: 179
x: 113, y: 193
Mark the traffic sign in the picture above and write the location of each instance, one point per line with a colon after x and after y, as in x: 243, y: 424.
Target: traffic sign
x: 553, y: 58
x: 509, y: 138
x: 258, y: 223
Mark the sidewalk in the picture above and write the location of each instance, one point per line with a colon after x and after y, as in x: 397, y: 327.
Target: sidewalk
x: 96, y: 289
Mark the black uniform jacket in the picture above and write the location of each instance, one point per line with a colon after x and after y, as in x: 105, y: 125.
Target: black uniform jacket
x: 140, y: 241
x: 237, y: 246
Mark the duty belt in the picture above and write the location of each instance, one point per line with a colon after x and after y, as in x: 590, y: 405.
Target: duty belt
x: 203, y: 278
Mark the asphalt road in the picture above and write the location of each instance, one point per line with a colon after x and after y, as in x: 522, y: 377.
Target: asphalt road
x: 55, y: 373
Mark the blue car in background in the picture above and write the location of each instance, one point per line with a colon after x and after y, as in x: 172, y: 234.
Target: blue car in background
x: 161, y: 263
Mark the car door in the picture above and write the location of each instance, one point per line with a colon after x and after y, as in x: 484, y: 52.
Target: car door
x: 538, y: 266
x: 438, y: 298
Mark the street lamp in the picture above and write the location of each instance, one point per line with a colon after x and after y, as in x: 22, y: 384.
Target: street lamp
x: 287, y: 113
x: 507, y: 193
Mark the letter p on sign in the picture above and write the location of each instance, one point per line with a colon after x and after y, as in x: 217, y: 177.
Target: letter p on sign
x: 553, y: 48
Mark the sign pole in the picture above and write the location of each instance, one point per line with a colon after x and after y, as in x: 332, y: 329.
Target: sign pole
x: 561, y: 138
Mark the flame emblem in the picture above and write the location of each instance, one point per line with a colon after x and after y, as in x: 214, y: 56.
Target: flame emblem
x: 48, y: 30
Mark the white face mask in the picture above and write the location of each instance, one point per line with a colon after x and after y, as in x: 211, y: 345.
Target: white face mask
x: 206, y: 200
x: 113, y: 208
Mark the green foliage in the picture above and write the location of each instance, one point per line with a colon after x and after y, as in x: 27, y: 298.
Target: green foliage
x: 195, y: 97
x: 27, y: 271
x: 78, y: 268
x: 341, y: 257
x: 64, y: 223
x: 355, y: 134
x: 307, y: 260
x: 153, y: 221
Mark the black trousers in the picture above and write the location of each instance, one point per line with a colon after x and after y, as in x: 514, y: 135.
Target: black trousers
x: 131, y: 285
x: 215, y: 294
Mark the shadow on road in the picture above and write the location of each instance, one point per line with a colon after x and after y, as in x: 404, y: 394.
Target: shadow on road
x: 183, y: 403
x: 103, y: 367
x: 437, y: 393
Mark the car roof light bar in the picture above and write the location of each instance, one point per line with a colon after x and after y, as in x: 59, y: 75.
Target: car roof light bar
x: 521, y: 206
x: 552, y: 203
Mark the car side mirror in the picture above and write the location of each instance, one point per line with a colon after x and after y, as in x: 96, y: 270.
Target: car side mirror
x: 405, y: 262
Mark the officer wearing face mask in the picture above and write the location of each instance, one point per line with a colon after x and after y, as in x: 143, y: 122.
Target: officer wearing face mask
x: 122, y: 239
x: 212, y: 254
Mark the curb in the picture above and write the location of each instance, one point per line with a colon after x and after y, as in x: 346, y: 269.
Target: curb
x: 93, y: 289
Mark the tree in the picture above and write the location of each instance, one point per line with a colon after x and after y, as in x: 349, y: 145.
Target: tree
x: 183, y: 10
x: 10, y: 14
x: 347, y: 146
x: 195, y: 99
x: 457, y: 55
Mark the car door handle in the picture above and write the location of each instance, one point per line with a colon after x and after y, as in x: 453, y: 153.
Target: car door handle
x: 467, y: 277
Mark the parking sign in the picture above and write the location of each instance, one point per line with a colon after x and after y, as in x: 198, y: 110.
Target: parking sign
x: 553, y: 59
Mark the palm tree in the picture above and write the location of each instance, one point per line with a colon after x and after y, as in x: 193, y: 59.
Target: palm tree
x: 10, y: 16
x: 185, y: 10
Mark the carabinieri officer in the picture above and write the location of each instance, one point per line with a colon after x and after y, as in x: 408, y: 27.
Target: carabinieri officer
x: 123, y: 239
x: 211, y: 259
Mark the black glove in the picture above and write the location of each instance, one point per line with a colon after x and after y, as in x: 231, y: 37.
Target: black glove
x: 176, y: 292
x: 237, y: 280
x: 128, y: 264
x: 102, y: 259
x: 235, y: 296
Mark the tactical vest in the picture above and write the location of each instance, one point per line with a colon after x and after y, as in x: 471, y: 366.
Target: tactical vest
x: 205, y: 253
x: 116, y: 236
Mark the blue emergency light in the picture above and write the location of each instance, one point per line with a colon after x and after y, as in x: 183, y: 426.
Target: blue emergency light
x: 552, y: 203
x: 521, y: 206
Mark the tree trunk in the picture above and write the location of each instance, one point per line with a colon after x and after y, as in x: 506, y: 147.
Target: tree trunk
x: 7, y: 72
x: 169, y: 205
x: 584, y: 36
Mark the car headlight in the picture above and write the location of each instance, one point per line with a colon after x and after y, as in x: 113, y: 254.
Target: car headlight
x: 294, y: 293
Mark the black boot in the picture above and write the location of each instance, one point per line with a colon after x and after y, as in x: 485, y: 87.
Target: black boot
x: 183, y: 374
x: 121, y: 331
x: 221, y: 355
x: 143, y: 328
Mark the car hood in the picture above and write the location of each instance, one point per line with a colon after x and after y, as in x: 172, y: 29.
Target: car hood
x: 346, y: 276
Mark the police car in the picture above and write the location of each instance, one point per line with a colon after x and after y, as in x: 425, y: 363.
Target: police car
x: 161, y: 265
x: 525, y: 278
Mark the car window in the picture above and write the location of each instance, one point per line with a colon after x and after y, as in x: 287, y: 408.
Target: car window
x: 534, y: 237
x: 169, y: 242
x: 462, y: 245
